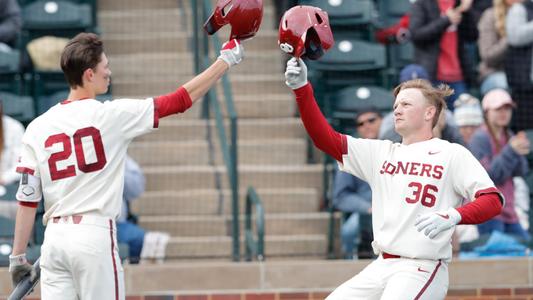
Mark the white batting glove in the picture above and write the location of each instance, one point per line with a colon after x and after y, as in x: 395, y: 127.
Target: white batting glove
x: 232, y: 52
x: 434, y: 223
x: 19, y: 268
x: 296, y: 73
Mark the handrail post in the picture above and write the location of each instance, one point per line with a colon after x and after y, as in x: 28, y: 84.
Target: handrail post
x: 195, y: 36
x: 235, y: 189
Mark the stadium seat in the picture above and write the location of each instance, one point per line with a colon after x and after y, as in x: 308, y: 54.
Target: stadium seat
x: 10, y: 77
x: 346, y: 13
x: 390, y: 11
x: 18, y: 107
x: 57, y: 18
x: 349, y: 100
x: 53, y: 18
x: 354, y: 18
x: 45, y: 102
x: 349, y: 62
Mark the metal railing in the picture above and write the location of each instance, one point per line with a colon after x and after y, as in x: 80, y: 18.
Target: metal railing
x: 254, y: 247
x: 201, y: 11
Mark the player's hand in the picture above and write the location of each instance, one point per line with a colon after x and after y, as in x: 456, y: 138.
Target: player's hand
x: 20, y: 268
x: 232, y: 52
x: 434, y: 223
x: 296, y: 73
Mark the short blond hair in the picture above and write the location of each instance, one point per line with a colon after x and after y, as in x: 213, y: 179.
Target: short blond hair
x: 434, y: 95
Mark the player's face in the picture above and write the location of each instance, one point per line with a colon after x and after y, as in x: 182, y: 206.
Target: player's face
x: 102, y: 76
x: 368, y: 125
x: 411, y: 111
x: 500, y: 117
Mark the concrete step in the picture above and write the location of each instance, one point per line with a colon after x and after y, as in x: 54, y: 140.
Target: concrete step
x: 269, y: 152
x: 145, y: 66
x: 264, y: 105
x: 183, y: 129
x: 142, y: 21
x: 121, y: 5
x: 211, y: 247
x: 159, y: 84
x: 208, y: 202
x: 172, y: 18
x: 177, y: 178
x: 143, y: 4
x: 177, y: 42
x: 215, y: 225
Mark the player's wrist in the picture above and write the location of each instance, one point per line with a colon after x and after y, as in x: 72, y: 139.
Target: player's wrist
x: 455, y: 216
x: 17, y: 260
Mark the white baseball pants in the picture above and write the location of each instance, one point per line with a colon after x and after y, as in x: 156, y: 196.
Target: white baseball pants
x: 396, y: 279
x: 79, y: 260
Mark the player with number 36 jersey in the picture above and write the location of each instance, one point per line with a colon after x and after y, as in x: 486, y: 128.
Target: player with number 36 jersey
x: 417, y: 190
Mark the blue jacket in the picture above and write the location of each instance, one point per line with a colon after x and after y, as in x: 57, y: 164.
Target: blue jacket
x: 351, y: 194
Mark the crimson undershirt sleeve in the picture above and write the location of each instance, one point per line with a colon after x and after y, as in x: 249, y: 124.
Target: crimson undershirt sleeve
x: 173, y: 103
x: 482, y: 209
x: 318, y: 128
x: 29, y: 204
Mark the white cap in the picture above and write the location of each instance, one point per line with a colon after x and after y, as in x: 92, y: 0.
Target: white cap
x: 467, y: 111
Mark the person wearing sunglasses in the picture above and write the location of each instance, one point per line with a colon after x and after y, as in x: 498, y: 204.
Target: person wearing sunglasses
x: 353, y: 196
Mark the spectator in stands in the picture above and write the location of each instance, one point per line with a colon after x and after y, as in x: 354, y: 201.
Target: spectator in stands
x: 352, y: 195
x: 10, y: 23
x: 493, y: 45
x: 145, y: 245
x: 502, y: 155
x: 468, y: 116
x: 518, y: 61
x: 446, y: 127
x: 11, y: 132
x: 522, y: 201
x: 128, y: 231
x: 439, y: 44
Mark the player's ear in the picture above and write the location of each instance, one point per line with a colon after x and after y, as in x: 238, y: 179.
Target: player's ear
x: 88, y: 74
x: 430, y: 113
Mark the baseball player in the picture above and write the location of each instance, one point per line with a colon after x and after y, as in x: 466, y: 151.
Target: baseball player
x: 73, y: 155
x: 417, y: 187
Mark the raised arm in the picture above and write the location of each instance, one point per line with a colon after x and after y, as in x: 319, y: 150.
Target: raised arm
x: 318, y: 128
x: 179, y: 101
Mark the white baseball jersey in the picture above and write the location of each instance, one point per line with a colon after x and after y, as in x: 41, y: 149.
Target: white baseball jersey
x: 410, y: 180
x: 78, y: 150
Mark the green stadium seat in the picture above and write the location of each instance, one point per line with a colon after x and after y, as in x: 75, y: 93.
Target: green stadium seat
x: 10, y: 77
x: 45, y: 102
x: 346, y: 13
x: 53, y: 18
x: 390, y: 11
x: 353, y: 55
x: 349, y: 100
x: 349, y: 62
x: 18, y: 107
x: 57, y: 18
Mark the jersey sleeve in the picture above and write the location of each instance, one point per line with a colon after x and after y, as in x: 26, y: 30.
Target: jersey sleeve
x: 470, y: 179
x: 134, y: 117
x: 362, y: 157
x: 27, y: 162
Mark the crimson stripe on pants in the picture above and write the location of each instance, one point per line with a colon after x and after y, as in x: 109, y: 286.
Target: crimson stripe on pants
x: 113, y: 257
x: 429, y: 281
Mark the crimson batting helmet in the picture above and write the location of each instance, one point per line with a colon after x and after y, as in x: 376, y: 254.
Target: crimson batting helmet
x: 244, y: 16
x: 304, y: 31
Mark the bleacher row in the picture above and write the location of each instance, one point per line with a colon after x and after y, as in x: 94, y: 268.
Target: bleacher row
x: 26, y: 90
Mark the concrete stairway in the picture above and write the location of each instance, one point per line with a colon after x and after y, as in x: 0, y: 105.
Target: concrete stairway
x: 187, y: 187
